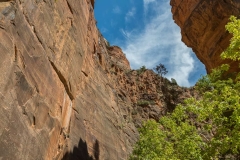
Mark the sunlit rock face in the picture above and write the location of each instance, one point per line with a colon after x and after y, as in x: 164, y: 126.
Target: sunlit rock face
x: 66, y: 94
x: 202, y: 24
x: 55, y: 90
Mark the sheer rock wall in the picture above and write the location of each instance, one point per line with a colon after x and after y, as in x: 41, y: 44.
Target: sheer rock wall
x: 54, y: 91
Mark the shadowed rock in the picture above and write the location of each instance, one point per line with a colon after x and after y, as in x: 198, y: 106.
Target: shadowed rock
x: 81, y: 152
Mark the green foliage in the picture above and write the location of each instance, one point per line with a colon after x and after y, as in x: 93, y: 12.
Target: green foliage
x: 141, y: 70
x: 160, y: 69
x: 200, y: 129
x: 233, y: 51
x: 177, y: 141
x: 205, y: 83
x: 218, y: 114
x: 173, y: 81
x: 144, y: 102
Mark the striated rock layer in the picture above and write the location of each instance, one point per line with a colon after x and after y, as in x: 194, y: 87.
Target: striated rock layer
x: 202, y: 24
x: 65, y: 94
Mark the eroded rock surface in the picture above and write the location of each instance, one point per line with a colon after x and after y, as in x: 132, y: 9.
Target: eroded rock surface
x: 65, y: 94
x: 202, y: 24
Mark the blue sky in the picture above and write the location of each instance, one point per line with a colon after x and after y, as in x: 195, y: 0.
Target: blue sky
x: 147, y: 34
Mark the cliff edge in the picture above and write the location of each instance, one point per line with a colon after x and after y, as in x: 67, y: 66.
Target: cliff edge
x: 202, y: 24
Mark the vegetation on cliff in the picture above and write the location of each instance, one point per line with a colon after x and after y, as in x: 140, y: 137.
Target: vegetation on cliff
x: 152, y: 96
x: 206, y: 128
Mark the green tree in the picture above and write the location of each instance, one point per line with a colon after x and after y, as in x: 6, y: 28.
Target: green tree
x: 233, y: 51
x: 198, y: 129
x: 160, y: 69
x: 141, y: 70
x: 204, y: 129
x: 167, y: 140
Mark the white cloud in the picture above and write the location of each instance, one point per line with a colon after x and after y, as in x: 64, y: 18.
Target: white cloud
x: 182, y: 64
x: 148, y: 1
x: 146, y: 4
x: 160, y: 42
x: 117, y: 10
x: 125, y: 34
x: 130, y: 14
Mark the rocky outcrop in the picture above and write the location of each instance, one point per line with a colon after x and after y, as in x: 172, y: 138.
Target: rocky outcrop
x: 66, y: 94
x: 202, y: 24
x: 152, y: 96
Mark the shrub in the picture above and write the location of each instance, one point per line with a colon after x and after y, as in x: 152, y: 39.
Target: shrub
x: 173, y: 81
x: 141, y: 70
x: 144, y: 102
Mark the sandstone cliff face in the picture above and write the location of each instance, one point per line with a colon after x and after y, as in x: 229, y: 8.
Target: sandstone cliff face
x: 65, y: 94
x: 202, y: 24
x: 54, y: 91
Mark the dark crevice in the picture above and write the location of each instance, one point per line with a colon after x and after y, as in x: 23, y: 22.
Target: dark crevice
x: 100, y: 58
x: 70, y: 8
x: 15, y: 53
x: 34, y: 121
x: 75, y: 110
x: 34, y: 31
x: 27, y: 19
x: 92, y: 2
x: 85, y: 73
x: 38, y: 38
x: 63, y: 80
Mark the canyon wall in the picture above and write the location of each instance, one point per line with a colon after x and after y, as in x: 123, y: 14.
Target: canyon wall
x: 55, y: 93
x: 66, y: 94
x: 202, y: 24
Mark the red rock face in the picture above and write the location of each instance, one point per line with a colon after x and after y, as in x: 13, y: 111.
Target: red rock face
x: 65, y: 94
x: 118, y: 58
x: 202, y: 24
x: 55, y: 96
